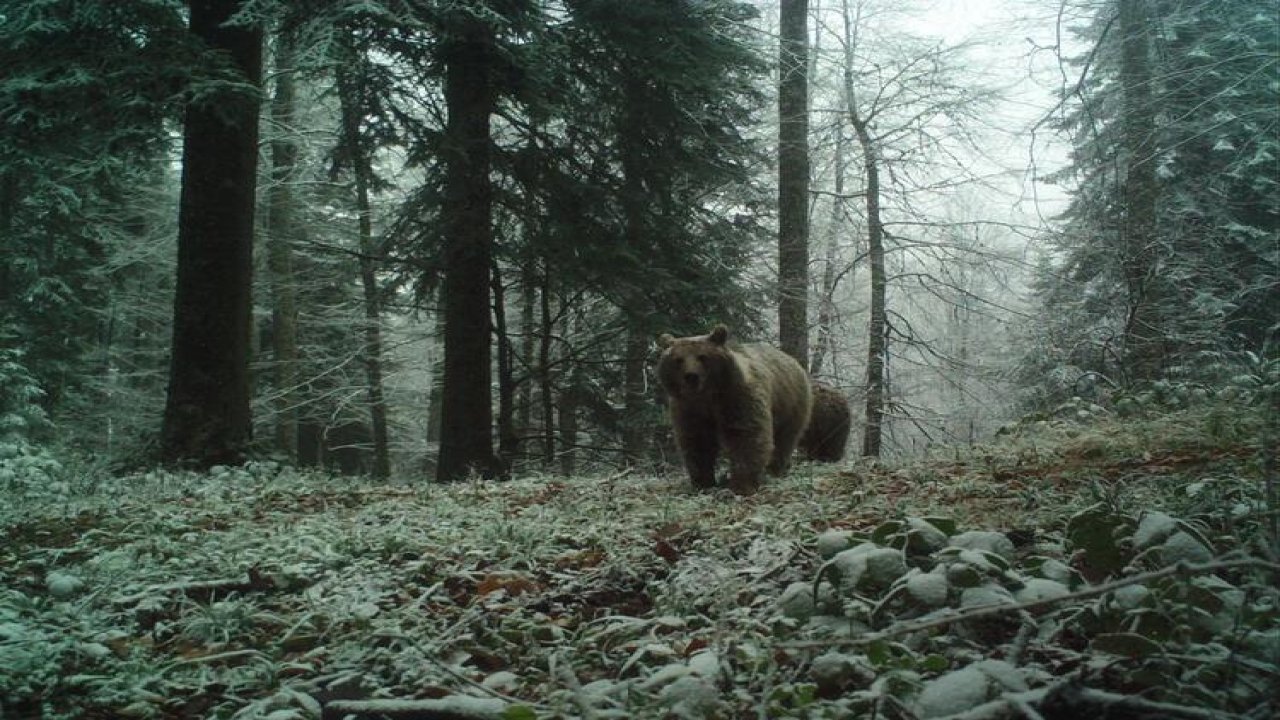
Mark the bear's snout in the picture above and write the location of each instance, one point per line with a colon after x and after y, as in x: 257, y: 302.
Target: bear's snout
x: 692, y: 380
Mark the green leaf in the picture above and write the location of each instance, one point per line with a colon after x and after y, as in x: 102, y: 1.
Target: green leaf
x: 934, y: 663
x: 1097, y: 532
x: 946, y: 525
x: 878, y: 653
x: 519, y: 712
x: 1126, y: 644
x: 882, y: 534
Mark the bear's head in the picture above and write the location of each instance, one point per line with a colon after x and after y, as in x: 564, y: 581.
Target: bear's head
x: 690, y: 366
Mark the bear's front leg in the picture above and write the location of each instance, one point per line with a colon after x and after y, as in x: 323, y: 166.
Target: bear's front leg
x: 699, y: 448
x: 783, y: 446
x: 748, y: 452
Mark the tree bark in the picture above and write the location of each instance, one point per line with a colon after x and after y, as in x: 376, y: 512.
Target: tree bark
x: 570, y: 398
x: 466, y: 434
x: 281, y: 232
x: 207, y: 418
x: 544, y: 373
x: 635, y: 431
x: 507, y: 438
x: 825, y: 344
x: 528, y: 298
x: 878, y: 323
x: 434, y: 395
x: 793, y: 179
x: 1142, y: 333
x: 877, y: 326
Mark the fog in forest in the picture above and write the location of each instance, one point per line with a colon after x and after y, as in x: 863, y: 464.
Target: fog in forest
x: 1001, y: 266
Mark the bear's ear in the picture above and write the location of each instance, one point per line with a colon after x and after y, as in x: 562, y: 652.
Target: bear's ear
x: 719, y: 335
x: 665, y: 340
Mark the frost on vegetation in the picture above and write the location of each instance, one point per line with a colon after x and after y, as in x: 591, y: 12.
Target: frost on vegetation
x: 1038, y: 589
x: 1153, y: 528
x: 989, y: 542
x: 867, y: 567
x: 968, y: 687
x: 1184, y: 547
x: 582, y: 598
x: 929, y: 589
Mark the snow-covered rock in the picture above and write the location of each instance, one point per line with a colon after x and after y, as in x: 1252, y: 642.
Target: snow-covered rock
x: 967, y: 688
x: 691, y: 697
x: 797, y: 600
x: 884, y: 567
x: 923, y: 537
x: 929, y: 589
x: 831, y: 542
x: 1040, y: 589
x: 1184, y: 547
x: 868, y: 566
x: 985, y: 595
x: 833, y: 672
x: 63, y: 585
x: 1153, y: 528
x: 985, y: 541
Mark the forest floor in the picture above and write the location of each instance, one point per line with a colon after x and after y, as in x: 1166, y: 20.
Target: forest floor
x: 856, y: 590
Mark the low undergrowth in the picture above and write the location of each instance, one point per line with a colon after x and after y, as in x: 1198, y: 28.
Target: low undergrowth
x: 1074, y: 568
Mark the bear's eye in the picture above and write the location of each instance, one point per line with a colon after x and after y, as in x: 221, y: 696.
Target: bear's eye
x: 702, y: 358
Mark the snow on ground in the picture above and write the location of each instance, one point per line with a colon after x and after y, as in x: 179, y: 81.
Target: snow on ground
x: 263, y: 592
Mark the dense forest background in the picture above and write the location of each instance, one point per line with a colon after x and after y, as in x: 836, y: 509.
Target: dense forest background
x: 431, y: 238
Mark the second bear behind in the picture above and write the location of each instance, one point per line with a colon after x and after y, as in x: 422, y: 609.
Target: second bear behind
x: 752, y: 401
x: 829, y: 425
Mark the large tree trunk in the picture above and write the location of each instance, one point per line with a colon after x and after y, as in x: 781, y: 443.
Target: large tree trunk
x: 528, y: 298
x: 1143, y: 339
x: 281, y: 231
x: 878, y: 324
x: 207, y: 418
x: 466, y: 436
x: 435, y: 394
x: 793, y: 180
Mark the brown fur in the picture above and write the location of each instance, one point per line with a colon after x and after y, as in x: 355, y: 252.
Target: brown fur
x: 752, y: 401
x: 829, y: 423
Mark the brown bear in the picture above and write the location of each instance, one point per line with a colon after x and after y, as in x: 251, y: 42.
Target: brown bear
x: 752, y: 401
x: 829, y: 424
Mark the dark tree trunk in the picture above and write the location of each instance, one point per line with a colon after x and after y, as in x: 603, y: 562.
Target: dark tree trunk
x: 207, y: 418
x: 528, y: 297
x: 1143, y: 340
x: 466, y: 434
x: 878, y: 325
x: 434, y: 395
x: 544, y: 374
x: 793, y: 179
x: 281, y: 231
x: 570, y: 399
x: 507, y: 438
x: 635, y: 431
